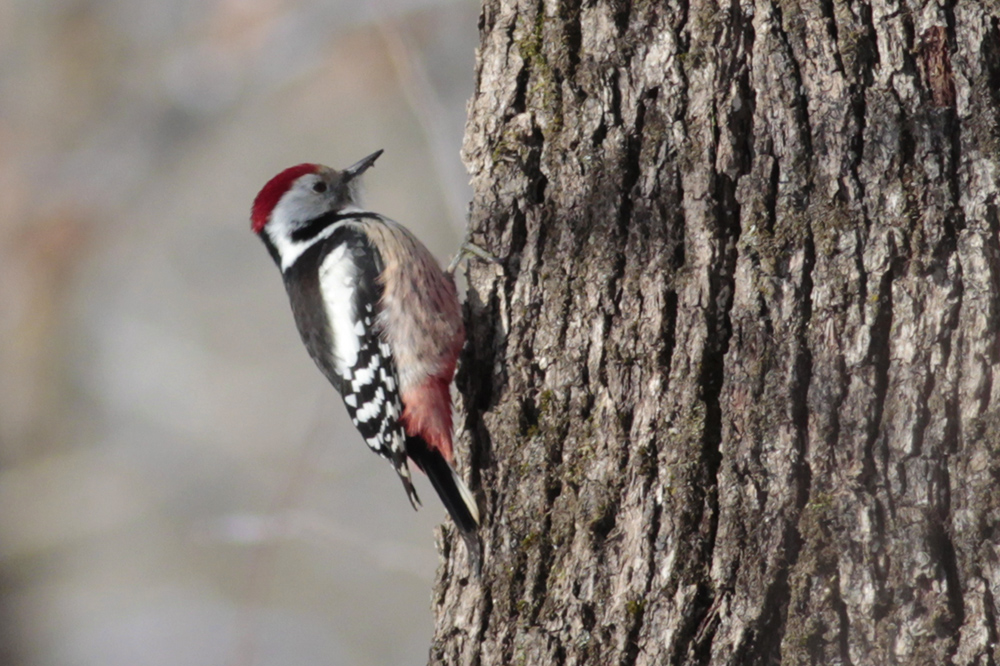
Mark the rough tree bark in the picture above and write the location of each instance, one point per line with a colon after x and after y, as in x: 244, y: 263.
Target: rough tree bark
x: 732, y: 400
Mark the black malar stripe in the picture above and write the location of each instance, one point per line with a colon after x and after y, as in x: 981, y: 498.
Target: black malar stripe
x: 315, y: 226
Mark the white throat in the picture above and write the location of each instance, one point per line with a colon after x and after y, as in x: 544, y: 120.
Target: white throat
x: 280, y: 229
x: 290, y: 250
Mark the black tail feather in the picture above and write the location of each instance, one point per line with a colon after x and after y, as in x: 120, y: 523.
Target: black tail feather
x: 457, y: 499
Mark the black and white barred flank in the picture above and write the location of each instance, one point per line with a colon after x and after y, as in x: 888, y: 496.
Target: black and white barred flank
x: 371, y: 395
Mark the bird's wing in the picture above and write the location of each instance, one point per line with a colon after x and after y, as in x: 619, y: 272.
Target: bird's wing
x: 360, y: 363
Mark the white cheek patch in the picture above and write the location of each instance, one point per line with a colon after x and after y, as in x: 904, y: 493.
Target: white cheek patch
x: 288, y: 250
x: 281, y: 226
x: 336, y: 278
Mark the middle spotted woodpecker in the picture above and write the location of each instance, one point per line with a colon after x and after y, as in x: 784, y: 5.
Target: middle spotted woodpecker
x: 377, y: 315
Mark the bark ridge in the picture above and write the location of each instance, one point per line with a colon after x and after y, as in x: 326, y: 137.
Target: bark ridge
x: 731, y: 400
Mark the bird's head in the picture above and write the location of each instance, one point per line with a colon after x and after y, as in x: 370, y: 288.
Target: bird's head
x: 302, y: 193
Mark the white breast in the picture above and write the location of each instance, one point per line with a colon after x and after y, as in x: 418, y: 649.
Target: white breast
x: 337, y: 275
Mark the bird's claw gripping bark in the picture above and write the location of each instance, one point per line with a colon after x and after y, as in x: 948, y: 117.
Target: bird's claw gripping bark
x: 468, y: 249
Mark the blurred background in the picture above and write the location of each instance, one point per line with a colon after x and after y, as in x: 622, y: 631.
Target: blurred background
x: 178, y: 483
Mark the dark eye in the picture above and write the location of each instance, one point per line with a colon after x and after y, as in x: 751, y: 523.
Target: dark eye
x: 319, y: 187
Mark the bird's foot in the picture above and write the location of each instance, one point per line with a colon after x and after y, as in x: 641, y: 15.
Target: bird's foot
x: 470, y: 249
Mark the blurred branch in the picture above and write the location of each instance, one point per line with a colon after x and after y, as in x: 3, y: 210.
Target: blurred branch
x: 430, y: 112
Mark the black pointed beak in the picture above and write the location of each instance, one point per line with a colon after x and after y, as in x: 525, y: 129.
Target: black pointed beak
x: 359, y: 167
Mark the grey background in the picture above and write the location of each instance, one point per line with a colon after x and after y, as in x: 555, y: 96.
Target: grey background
x: 178, y: 483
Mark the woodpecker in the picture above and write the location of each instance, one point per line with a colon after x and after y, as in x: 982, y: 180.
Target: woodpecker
x: 379, y: 317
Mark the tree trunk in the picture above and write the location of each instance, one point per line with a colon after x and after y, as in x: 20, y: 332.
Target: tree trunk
x: 731, y: 399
